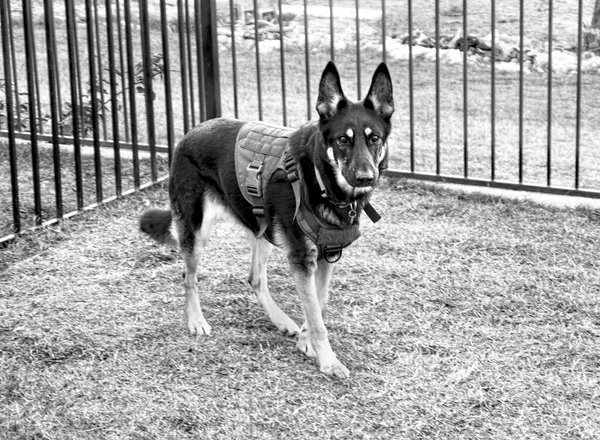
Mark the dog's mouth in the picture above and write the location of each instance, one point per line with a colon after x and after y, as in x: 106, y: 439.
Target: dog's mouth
x: 363, y: 185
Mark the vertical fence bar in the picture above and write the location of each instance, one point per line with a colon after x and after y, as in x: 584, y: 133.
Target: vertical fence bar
x: 10, y: 116
x: 210, y: 59
x: 190, y: 63
x: 282, y: 61
x: 59, y: 102
x: 493, y: 95
x: 183, y: 64
x: 31, y: 78
x: 15, y: 75
x: 234, y: 57
x: 549, y: 135
x: 53, y: 82
x: 131, y: 87
x: 99, y: 72
x: 465, y: 91
x: 257, y: 54
x: 93, y: 98
x: 331, y: 34
x: 384, y: 31
x: 36, y: 121
x: 199, y: 29
x: 114, y: 107
x: 358, y: 61
x: 307, y: 61
x: 74, y: 79
x: 438, y: 142
x: 521, y: 86
x: 121, y: 39
x: 148, y: 88
x: 167, y: 79
x: 411, y: 95
x: 80, y: 114
x: 578, y: 98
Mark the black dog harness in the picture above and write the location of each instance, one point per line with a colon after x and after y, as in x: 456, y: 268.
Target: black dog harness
x: 261, y: 149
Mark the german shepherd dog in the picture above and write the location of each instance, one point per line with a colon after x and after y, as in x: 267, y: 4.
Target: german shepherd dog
x: 339, y: 159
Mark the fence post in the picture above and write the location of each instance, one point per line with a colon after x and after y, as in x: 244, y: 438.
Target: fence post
x: 210, y: 52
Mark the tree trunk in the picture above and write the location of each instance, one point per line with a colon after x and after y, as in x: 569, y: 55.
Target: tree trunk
x: 596, y: 17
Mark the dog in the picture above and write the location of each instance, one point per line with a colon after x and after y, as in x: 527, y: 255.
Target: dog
x: 310, y: 202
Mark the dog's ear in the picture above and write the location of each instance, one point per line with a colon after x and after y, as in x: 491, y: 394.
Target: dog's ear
x: 380, y: 97
x: 330, y: 93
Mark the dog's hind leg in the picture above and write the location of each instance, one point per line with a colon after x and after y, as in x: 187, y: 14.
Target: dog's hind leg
x: 193, y: 243
x: 261, y: 249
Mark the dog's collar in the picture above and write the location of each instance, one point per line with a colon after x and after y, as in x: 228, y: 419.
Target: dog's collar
x: 368, y: 208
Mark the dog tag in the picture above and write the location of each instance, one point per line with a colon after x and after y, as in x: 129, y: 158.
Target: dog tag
x: 352, y: 215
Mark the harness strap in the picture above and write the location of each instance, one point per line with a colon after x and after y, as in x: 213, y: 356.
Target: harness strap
x: 254, y: 185
x: 291, y: 169
x: 330, y: 241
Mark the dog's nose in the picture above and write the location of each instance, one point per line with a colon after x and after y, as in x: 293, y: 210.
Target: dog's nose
x: 365, y: 178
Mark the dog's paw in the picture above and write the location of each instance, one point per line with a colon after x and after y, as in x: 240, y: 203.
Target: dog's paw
x: 198, y: 327
x: 335, y: 369
x: 304, y: 345
x: 288, y: 327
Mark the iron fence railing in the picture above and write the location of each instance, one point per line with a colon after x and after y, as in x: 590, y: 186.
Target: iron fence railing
x: 94, y: 94
x: 487, y: 94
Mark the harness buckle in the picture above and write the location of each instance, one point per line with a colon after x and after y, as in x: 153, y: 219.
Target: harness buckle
x: 254, y: 178
x: 290, y: 167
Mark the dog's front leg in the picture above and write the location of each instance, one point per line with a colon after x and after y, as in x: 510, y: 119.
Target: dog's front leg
x: 313, y: 340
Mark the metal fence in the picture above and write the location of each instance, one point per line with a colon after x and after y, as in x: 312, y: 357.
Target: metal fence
x: 94, y: 94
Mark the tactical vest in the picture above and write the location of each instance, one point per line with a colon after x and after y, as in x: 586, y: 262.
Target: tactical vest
x: 261, y: 149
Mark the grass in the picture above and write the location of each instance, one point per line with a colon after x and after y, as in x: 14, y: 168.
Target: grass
x: 460, y: 316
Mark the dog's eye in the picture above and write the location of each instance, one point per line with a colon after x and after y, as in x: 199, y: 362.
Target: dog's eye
x: 343, y: 140
x: 374, y: 139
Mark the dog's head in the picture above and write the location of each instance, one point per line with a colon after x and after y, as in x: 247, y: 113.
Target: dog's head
x: 355, y: 134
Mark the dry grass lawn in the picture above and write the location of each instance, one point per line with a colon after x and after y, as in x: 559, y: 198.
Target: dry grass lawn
x: 459, y: 316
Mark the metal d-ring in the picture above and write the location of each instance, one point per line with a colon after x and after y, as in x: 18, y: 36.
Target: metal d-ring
x: 338, y: 255
x: 352, y: 213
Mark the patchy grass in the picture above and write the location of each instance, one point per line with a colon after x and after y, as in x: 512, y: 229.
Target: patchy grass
x: 459, y: 316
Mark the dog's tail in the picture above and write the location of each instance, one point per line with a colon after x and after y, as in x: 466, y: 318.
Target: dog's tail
x: 157, y: 224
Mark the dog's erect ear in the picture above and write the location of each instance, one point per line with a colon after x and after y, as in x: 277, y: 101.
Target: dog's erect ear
x: 380, y: 97
x: 330, y: 92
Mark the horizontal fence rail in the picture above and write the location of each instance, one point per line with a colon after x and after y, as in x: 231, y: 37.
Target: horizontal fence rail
x: 94, y: 94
